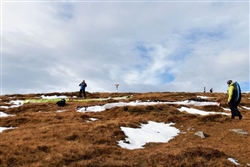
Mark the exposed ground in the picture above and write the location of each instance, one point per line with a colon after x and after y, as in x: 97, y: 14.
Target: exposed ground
x: 45, y: 137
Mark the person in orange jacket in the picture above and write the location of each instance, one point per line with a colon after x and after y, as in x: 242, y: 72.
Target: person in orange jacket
x: 234, y: 98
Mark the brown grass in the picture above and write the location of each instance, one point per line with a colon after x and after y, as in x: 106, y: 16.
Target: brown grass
x: 44, y: 137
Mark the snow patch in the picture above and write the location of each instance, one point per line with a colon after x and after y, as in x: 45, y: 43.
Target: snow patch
x: 2, y: 114
x: 233, y: 161
x: 15, y: 103
x: 200, y: 112
x: 151, y: 132
x: 5, y: 128
x: 136, y: 103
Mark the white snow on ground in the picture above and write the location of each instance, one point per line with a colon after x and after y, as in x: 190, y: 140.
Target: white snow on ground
x: 2, y: 114
x: 194, y: 103
x: 248, y: 108
x: 151, y: 132
x: 233, y: 161
x: 204, y: 97
x: 91, y: 109
x: 5, y: 128
x: 200, y: 112
x: 61, y: 110
x: 93, y: 119
x: 226, y: 109
x: 15, y: 103
x: 136, y: 103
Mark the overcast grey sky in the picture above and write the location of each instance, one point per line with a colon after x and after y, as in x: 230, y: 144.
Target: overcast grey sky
x: 51, y: 46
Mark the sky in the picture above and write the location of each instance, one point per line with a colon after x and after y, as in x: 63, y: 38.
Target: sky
x: 144, y: 46
x: 151, y: 131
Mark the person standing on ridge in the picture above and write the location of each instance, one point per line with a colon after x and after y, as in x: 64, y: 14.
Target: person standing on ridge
x: 234, y: 98
x: 211, y: 90
x: 82, y: 85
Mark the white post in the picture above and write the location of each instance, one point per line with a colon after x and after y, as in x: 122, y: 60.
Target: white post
x: 116, y: 85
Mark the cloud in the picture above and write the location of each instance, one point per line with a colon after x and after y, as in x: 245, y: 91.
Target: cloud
x: 143, y: 46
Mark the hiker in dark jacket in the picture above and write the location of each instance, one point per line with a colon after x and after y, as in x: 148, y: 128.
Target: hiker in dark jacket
x: 234, y: 98
x: 82, y: 85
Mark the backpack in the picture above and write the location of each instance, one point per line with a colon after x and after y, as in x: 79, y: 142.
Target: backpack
x: 237, y: 91
x: 61, y: 103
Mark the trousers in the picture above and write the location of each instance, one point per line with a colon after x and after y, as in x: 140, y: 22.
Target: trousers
x: 233, y: 105
x: 84, y: 93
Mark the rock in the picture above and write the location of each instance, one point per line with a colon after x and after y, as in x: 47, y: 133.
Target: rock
x: 201, y: 134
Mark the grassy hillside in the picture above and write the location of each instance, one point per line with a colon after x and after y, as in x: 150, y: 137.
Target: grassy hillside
x: 45, y: 137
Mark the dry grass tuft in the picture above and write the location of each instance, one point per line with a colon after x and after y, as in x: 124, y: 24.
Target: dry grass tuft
x: 214, y: 118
